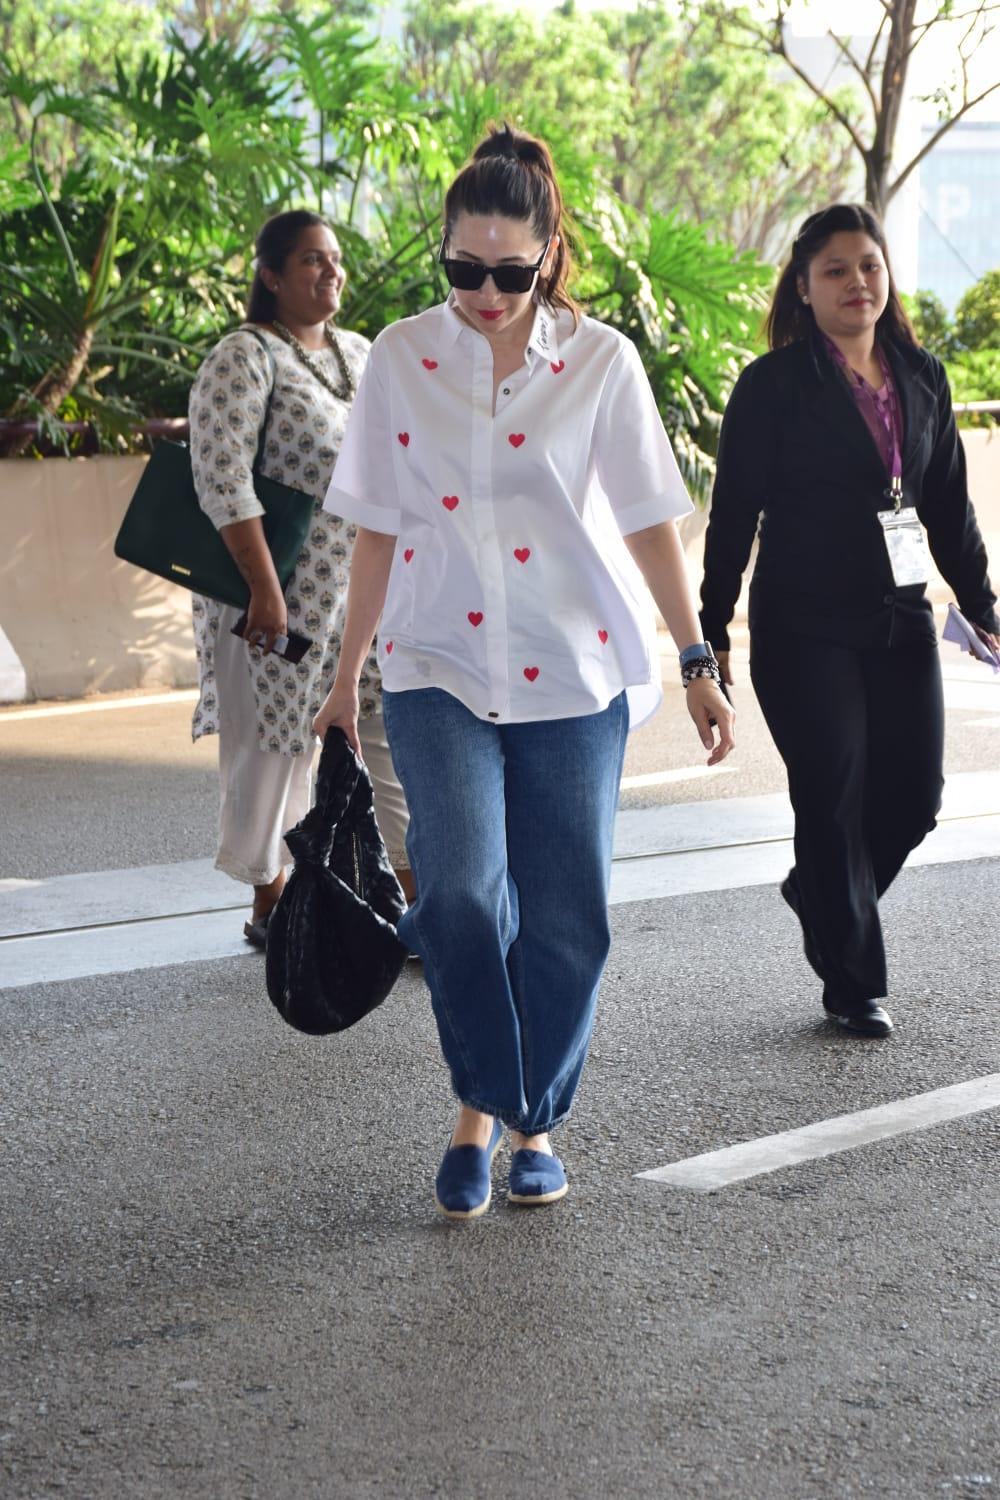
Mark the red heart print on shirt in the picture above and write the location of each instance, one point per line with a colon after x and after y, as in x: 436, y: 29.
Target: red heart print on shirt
x: 449, y: 501
x: 408, y: 555
x: 558, y: 366
x: 516, y: 439
x: 404, y: 438
x: 531, y: 673
x: 522, y: 554
x: 388, y: 648
x: 475, y: 617
x: 429, y: 364
x: 602, y: 636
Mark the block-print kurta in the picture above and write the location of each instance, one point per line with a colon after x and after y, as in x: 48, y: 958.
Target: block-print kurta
x: 305, y: 425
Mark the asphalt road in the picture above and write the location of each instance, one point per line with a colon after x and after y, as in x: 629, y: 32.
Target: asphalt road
x: 222, y: 1277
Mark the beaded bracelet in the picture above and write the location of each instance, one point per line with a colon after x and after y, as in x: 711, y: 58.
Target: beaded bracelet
x: 702, y: 666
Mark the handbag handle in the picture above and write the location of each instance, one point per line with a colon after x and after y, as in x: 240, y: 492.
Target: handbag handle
x: 262, y: 434
x: 337, y: 779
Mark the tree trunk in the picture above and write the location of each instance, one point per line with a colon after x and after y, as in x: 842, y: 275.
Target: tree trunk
x: 876, y: 174
x: 878, y: 160
x: 50, y: 392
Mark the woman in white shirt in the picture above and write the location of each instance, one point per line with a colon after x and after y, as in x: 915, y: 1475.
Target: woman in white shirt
x: 500, y: 447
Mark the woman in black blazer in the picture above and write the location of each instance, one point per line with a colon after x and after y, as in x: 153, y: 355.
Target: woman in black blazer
x: 845, y: 418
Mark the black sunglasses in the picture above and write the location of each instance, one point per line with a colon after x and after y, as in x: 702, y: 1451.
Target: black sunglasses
x: 469, y: 275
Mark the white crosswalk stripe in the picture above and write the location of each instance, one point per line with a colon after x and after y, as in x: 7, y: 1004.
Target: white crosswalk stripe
x: 718, y: 1169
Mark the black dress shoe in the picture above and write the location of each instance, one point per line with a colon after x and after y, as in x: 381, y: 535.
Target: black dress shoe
x: 867, y: 1018
x: 791, y: 896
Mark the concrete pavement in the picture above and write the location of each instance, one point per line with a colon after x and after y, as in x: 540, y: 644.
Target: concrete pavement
x: 222, y: 1275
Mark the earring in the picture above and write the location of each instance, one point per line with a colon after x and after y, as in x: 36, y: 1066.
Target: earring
x: 806, y: 301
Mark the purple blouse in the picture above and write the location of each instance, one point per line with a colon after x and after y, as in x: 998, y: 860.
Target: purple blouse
x: 880, y: 408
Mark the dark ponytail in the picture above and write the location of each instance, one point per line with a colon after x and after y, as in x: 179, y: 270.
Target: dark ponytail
x: 512, y: 174
x: 790, y: 319
x: 274, y: 244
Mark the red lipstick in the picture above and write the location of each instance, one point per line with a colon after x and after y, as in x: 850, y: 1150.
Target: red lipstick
x: 491, y: 316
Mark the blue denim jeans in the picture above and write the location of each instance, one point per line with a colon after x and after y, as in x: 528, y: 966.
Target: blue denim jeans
x: 510, y: 841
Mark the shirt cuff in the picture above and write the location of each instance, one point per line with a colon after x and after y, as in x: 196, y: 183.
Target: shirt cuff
x: 665, y: 507
x: 362, y: 512
x: 716, y: 635
x: 226, y: 510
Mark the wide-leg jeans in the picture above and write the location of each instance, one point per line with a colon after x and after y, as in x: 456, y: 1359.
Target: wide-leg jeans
x: 510, y: 841
x: 861, y: 733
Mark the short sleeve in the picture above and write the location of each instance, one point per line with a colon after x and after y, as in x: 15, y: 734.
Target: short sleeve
x: 635, y: 462
x: 363, y: 488
x: 227, y: 409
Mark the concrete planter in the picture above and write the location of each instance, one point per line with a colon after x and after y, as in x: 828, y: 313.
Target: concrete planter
x: 77, y: 620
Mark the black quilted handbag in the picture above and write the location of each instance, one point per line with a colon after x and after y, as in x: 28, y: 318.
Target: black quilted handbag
x: 332, y: 949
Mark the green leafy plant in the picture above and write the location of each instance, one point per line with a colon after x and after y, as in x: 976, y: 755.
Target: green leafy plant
x: 933, y: 327
x: 118, y: 273
x: 174, y: 148
x: 977, y: 317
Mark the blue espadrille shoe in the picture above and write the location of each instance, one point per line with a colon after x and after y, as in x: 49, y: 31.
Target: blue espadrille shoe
x: 463, y: 1188
x: 536, y: 1177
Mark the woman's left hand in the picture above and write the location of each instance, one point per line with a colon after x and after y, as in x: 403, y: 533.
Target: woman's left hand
x: 708, y: 706
x: 988, y: 639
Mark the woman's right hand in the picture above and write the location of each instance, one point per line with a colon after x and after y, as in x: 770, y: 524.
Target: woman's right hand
x: 722, y: 657
x: 340, y: 711
x: 267, y: 616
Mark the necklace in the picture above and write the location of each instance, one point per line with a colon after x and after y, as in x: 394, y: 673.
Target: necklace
x: 344, y: 389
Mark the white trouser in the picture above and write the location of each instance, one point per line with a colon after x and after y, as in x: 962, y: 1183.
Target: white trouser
x: 262, y: 792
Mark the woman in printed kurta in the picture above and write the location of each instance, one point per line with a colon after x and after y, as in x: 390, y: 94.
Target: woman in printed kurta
x: 500, y: 448
x: 283, y: 384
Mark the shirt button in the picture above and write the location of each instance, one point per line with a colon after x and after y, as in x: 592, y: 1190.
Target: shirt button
x: 493, y: 716
x: 506, y: 390
x: 889, y: 599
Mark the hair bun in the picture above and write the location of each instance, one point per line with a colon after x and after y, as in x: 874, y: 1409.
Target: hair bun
x: 504, y: 140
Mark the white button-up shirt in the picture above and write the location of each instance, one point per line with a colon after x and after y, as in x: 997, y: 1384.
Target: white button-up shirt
x: 510, y: 586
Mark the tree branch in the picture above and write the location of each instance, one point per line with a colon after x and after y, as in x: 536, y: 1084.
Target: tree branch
x: 932, y: 141
x: 825, y: 99
x: 876, y: 41
x: 845, y: 51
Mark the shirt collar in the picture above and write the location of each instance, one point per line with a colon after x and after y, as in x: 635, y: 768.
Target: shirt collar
x: 543, y: 340
x: 451, y: 323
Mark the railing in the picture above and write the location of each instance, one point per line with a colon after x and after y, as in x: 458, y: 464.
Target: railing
x: 990, y: 408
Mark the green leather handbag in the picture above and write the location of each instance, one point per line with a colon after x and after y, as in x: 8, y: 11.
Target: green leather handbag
x: 166, y: 531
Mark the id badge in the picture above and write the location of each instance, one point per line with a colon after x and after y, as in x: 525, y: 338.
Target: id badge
x: 906, y: 545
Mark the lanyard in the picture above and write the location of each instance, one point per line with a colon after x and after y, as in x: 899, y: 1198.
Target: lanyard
x: 889, y: 414
x: 892, y: 420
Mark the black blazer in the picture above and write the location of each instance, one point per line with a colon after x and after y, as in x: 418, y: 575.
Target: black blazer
x: 795, y: 453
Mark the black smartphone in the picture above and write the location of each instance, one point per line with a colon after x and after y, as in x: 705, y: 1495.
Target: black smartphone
x: 294, y: 651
